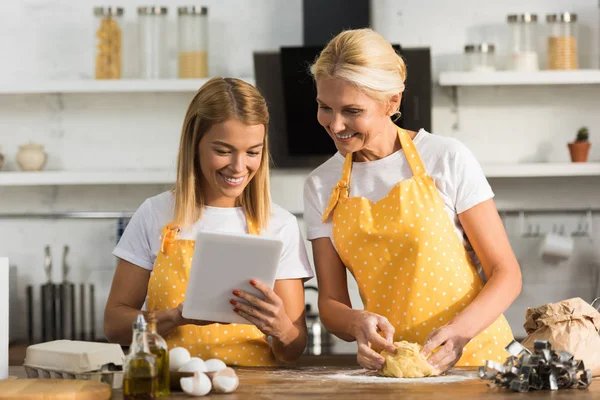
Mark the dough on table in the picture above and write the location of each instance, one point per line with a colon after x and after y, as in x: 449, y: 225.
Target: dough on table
x: 408, y: 362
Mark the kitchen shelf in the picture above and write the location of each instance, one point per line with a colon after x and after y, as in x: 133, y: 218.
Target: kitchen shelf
x: 158, y: 177
x: 60, y: 178
x: 105, y: 86
x: 516, y: 78
x: 538, y: 170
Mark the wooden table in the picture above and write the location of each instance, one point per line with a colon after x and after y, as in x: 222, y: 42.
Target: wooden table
x: 310, y: 382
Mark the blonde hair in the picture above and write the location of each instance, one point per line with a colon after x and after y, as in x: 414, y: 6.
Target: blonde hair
x: 365, y: 59
x: 219, y: 100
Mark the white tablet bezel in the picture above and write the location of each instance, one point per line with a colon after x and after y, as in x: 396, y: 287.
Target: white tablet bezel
x: 223, y: 262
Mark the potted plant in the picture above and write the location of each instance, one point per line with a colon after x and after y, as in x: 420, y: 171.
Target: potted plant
x: 580, y: 148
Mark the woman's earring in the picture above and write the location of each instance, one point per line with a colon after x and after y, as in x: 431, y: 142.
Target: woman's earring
x: 396, y: 116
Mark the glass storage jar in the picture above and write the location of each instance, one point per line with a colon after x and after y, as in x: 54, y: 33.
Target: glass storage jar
x: 108, y: 24
x: 153, y: 47
x: 524, y: 54
x: 192, y: 42
x: 480, y: 57
x: 562, y: 41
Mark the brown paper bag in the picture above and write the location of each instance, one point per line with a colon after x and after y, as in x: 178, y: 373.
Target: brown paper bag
x: 571, y: 325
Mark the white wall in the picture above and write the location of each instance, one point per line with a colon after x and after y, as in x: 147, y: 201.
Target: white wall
x: 53, y: 39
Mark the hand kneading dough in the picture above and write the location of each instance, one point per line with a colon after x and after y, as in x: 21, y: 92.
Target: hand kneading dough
x: 408, y: 362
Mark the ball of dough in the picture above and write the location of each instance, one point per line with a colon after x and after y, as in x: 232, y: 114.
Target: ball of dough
x: 408, y: 362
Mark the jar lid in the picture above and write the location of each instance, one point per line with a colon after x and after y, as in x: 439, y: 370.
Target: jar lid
x: 480, y: 48
x: 192, y: 10
x: 562, y: 17
x: 108, y: 11
x: 152, y: 10
x: 524, y: 18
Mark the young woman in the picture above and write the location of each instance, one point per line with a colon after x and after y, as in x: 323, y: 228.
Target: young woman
x: 222, y: 186
x: 409, y: 214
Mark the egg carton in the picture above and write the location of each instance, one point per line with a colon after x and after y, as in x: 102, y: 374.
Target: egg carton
x: 113, y: 378
x: 71, y: 359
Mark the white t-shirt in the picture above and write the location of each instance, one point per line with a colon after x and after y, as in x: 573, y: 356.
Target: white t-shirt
x: 141, y: 240
x: 457, y: 175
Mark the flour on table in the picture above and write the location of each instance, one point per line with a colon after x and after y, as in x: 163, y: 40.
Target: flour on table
x: 365, y: 376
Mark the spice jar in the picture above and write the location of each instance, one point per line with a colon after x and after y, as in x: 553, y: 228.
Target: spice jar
x: 524, y: 55
x: 109, y: 39
x: 192, y: 41
x: 562, y: 41
x: 480, y: 57
x: 152, y: 24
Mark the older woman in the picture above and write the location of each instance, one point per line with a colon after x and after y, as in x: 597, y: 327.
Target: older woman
x: 409, y: 214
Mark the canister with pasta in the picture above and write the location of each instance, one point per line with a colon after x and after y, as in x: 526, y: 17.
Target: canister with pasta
x: 562, y: 41
x: 108, y: 42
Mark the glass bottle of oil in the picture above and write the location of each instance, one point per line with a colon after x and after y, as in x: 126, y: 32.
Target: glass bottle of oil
x: 140, y: 378
x: 160, y: 349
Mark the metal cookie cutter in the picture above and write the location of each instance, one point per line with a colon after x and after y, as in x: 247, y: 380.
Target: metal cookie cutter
x: 544, y: 369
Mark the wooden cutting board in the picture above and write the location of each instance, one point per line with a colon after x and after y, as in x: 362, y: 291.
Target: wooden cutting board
x: 51, y: 389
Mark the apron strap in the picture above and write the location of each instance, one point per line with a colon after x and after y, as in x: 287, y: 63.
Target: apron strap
x: 411, y: 153
x: 252, y: 227
x: 341, y: 189
x: 170, y: 233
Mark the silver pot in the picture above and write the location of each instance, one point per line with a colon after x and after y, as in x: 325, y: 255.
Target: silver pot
x: 320, y: 341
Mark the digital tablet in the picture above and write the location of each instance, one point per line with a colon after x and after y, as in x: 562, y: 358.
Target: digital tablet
x: 224, y: 262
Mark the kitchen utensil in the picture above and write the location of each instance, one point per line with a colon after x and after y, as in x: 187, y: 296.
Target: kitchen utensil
x: 30, y: 318
x: 556, y: 247
x: 34, y: 389
x: 47, y: 295
x: 320, y: 340
x: 82, y: 328
x: 543, y: 369
x: 67, y: 301
x: 92, y: 335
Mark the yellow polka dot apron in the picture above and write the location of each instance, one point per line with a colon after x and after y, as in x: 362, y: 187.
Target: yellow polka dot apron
x: 408, y: 262
x: 235, y: 344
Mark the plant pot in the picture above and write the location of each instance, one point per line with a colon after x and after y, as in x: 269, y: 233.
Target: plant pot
x: 579, y: 151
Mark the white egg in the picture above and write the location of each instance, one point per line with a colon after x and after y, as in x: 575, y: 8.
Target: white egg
x: 178, y: 356
x: 225, y: 381
x: 193, y: 365
x: 215, y: 365
x: 197, y: 385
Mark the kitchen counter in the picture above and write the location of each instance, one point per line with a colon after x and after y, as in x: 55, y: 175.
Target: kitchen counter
x: 316, y: 382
